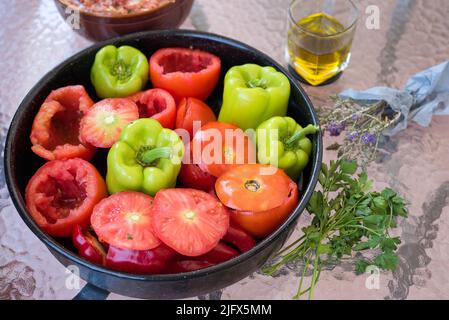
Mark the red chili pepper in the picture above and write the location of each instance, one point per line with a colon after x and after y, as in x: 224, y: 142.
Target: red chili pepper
x: 152, y: 261
x: 88, y: 246
x: 219, y: 254
x: 239, y: 238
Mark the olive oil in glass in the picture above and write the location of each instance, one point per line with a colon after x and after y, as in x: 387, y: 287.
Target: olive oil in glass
x: 319, y: 47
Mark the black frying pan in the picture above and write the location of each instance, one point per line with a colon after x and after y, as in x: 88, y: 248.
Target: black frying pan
x: 21, y: 164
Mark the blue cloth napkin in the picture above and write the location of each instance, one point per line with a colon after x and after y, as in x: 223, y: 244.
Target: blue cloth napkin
x: 426, y: 94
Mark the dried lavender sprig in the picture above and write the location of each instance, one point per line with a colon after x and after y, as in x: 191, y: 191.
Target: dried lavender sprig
x: 363, y: 124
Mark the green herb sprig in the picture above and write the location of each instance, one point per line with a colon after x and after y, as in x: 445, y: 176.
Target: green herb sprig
x: 347, y: 218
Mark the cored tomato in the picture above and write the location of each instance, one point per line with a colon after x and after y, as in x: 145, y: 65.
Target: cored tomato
x: 154, y: 261
x: 185, y: 72
x: 192, y: 115
x: 157, y: 104
x: 191, y: 222
x: 88, y: 246
x: 62, y: 195
x: 260, y: 202
x: 55, y: 131
x: 218, y: 147
x: 124, y: 221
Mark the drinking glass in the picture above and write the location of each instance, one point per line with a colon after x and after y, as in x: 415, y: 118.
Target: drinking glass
x: 320, y: 35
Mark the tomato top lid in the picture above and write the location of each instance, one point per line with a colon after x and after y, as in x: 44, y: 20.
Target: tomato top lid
x: 253, y: 187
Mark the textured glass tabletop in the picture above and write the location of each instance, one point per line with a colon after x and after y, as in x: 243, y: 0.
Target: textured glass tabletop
x: 413, y: 35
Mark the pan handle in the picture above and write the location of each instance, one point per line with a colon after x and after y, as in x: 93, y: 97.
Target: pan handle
x: 91, y: 292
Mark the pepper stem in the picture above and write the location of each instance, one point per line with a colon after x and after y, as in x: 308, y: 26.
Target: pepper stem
x: 298, y: 135
x: 146, y: 157
x: 257, y: 83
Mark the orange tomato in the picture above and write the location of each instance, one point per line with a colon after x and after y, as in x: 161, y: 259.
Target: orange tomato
x: 259, y: 202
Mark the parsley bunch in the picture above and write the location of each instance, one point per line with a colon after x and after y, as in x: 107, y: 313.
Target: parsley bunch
x: 347, y: 218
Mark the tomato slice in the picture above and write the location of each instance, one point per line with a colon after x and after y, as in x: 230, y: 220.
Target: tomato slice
x: 191, y: 222
x: 218, y: 147
x: 124, y: 221
x: 260, y: 202
x: 55, y: 131
x: 102, y: 125
x: 62, y: 194
x: 191, y: 110
x: 185, y: 72
x: 157, y: 104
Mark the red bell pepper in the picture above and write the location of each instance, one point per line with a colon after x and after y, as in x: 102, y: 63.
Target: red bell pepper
x: 239, y: 238
x: 154, y: 261
x: 88, y: 246
x: 188, y: 266
x: 219, y: 254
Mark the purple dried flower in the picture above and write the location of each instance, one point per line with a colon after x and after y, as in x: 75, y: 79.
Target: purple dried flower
x: 352, y: 136
x: 368, y: 138
x: 355, y: 116
x: 335, y: 128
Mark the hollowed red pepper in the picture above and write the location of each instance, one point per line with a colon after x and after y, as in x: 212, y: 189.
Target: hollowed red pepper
x: 157, y: 104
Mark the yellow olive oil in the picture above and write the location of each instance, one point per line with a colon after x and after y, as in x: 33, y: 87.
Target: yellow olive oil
x: 319, y: 47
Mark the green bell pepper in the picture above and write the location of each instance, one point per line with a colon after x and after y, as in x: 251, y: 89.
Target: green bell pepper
x: 118, y: 73
x: 147, y: 158
x: 283, y: 143
x: 253, y: 94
